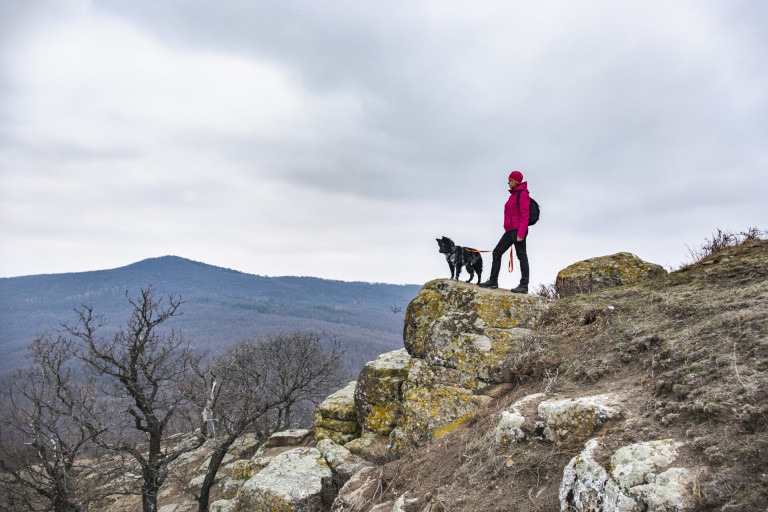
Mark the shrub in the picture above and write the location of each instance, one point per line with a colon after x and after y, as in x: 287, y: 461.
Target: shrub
x: 722, y: 240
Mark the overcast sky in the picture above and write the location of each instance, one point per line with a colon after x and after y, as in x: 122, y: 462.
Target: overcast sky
x: 338, y: 139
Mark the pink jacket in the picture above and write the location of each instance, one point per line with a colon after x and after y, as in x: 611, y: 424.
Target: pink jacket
x: 516, y: 216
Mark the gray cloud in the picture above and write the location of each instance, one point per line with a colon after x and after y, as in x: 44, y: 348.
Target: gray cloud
x: 254, y: 134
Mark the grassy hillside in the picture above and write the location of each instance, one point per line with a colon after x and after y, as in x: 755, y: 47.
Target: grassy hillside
x: 687, y: 354
x: 221, y: 306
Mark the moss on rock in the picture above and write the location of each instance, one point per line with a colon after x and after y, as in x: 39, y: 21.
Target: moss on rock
x: 336, y: 417
x: 378, y: 398
x: 594, y: 274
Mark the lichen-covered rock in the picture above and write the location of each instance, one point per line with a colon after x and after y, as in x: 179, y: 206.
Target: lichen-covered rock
x: 223, y: 506
x: 461, y: 341
x: 245, y: 446
x: 370, y: 446
x: 245, y: 469
x: 587, y: 486
x: 641, y: 468
x: 603, y: 272
x: 296, y: 480
x: 291, y: 437
x: 378, y: 397
x: 480, y: 308
x: 231, y: 487
x: 509, y: 429
x: 578, y: 417
x: 336, y: 416
x: 277, y: 444
x: 436, y: 400
x: 638, y: 480
x: 358, y: 493
x: 341, y: 461
x: 634, y: 464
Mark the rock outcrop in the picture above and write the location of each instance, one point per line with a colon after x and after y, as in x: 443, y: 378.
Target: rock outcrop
x: 460, y: 341
x: 296, y: 480
x: 578, y: 417
x: 603, y: 272
x: 517, y: 423
x: 463, y: 340
x: 640, y: 478
x: 336, y: 416
x: 378, y: 396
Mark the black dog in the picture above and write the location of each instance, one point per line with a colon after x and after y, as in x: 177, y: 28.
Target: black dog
x: 458, y: 256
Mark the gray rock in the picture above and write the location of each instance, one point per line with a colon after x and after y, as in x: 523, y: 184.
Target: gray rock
x: 509, y: 429
x: 291, y: 437
x: 336, y: 416
x: 296, y: 480
x: 576, y: 416
x: 341, y: 461
x: 594, y: 274
x: 639, y: 480
x: 377, y: 397
x: 358, y: 493
x: 223, y: 506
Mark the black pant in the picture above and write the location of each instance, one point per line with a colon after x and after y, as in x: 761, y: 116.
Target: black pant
x: 507, y: 240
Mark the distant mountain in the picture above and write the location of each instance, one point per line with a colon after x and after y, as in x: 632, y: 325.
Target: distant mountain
x: 221, y: 306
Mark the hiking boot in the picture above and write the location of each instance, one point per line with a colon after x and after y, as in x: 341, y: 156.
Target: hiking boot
x: 521, y: 288
x: 491, y: 283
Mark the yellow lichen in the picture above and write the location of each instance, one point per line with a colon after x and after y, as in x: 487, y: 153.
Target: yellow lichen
x: 453, y: 425
x: 383, y: 418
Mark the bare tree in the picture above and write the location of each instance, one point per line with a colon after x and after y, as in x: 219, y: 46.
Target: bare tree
x: 141, y: 371
x: 42, y: 437
x: 258, y: 384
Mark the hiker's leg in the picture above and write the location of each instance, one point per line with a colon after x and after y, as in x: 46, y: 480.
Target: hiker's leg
x: 522, y: 256
x: 506, y: 241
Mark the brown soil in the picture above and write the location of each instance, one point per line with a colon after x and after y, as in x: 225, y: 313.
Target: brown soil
x: 688, y: 353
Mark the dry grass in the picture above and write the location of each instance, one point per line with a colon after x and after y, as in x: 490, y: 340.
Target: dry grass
x: 689, y: 352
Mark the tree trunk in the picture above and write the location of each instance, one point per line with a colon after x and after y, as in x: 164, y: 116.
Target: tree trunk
x: 210, y: 475
x: 149, y: 496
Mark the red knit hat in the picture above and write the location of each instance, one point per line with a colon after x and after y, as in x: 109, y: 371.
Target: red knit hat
x: 517, y: 176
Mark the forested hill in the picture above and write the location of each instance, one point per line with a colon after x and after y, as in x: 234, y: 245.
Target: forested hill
x: 220, y: 306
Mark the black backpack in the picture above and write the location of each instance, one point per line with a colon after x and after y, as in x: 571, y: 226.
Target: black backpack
x: 533, y: 212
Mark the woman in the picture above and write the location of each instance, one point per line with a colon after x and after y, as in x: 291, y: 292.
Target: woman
x: 516, y: 215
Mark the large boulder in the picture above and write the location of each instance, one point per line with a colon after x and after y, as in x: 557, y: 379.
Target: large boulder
x: 342, y: 462
x: 378, y: 397
x: 468, y: 307
x: 604, y: 272
x: 517, y: 422
x: 287, y: 438
x: 296, y: 480
x: 460, y: 341
x: 336, y: 416
x: 578, y: 417
x: 436, y: 400
x: 370, y: 446
x: 640, y: 479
